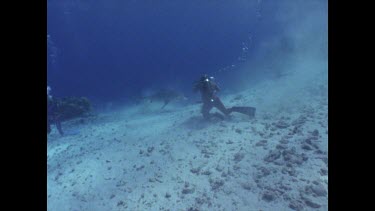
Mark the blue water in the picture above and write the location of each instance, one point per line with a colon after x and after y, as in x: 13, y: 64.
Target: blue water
x: 112, y: 50
x: 268, y: 54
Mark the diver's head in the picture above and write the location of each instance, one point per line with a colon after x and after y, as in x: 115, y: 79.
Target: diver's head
x: 206, y: 78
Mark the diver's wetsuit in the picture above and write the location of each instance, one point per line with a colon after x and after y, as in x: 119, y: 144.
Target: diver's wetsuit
x: 208, y: 89
x: 52, y: 115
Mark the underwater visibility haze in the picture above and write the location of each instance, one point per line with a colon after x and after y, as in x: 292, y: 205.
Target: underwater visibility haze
x: 132, y: 125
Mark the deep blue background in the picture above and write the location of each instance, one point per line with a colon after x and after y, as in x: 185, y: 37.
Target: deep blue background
x: 110, y: 50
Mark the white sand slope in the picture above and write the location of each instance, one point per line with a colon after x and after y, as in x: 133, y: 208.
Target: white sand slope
x: 143, y: 158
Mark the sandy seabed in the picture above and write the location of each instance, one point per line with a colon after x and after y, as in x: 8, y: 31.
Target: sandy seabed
x: 144, y: 158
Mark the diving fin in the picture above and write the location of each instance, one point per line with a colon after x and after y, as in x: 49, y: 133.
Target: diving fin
x: 250, y: 111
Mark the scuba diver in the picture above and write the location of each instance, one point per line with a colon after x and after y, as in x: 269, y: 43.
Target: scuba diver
x: 52, y: 113
x: 208, y: 88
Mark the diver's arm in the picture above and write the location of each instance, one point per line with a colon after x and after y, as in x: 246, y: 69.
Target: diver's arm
x: 216, y: 87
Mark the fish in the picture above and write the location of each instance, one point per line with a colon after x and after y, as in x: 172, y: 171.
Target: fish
x: 166, y: 96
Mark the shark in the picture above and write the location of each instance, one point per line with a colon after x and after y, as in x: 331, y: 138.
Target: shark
x: 166, y: 96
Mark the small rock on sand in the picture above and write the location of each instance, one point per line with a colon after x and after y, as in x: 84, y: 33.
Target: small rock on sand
x: 311, y: 203
x: 281, y: 124
x: 268, y: 196
x: 238, y: 156
x: 261, y: 143
x: 239, y: 131
x: 187, y: 190
x: 319, y: 190
x: 167, y: 195
x: 246, y: 186
x: 273, y: 155
x: 296, y: 205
